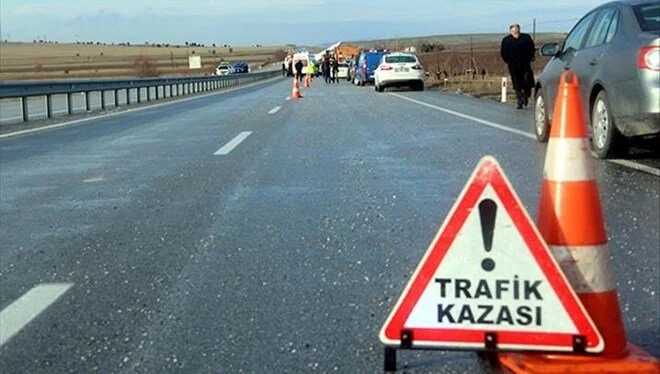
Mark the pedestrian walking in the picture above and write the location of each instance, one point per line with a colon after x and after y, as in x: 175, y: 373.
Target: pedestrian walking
x: 299, y: 68
x: 518, y: 51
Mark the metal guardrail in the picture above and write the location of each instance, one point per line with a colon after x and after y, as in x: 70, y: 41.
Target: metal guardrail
x: 164, y: 88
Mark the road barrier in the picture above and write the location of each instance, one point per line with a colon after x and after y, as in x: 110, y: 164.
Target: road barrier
x: 146, y: 89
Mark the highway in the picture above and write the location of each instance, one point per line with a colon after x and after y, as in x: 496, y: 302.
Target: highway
x: 244, y: 232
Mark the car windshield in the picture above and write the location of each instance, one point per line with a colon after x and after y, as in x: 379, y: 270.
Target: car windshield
x: 400, y: 59
x: 648, y: 16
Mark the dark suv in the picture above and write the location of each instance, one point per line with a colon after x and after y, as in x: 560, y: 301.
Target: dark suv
x: 241, y: 67
x: 366, y: 66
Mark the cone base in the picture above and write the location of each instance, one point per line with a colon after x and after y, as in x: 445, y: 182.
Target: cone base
x: 635, y: 361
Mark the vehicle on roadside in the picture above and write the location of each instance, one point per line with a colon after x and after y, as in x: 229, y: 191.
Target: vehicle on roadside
x: 241, y: 67
x: 399, y: 70
x: 615, y: 52
x: 366, y: 66
x: 224, y: 69
x: 342, y: 72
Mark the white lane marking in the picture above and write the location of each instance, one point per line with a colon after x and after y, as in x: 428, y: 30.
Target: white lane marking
x: 152, y: 106
x: 275, y: 110
x: 636, y: 166
x: 625, y: 163
x: 465, y: 116
x: 288, y: 98
x: 93, y: 180
x: 232, y: 144
x: 28, y: 307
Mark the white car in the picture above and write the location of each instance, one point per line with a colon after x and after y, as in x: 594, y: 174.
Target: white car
x: 342, y: 73
x: 224, y: 69
x: 399, y: 70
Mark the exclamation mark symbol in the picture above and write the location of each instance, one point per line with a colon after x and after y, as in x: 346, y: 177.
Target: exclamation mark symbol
x: 487, y: 213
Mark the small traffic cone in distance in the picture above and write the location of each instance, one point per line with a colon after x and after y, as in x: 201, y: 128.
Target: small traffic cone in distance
x: 295, y: 94
x: 571, y: 221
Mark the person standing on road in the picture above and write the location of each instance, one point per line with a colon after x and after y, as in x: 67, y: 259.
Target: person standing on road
x: 299, y: 69
x: 335, y: 70
x: 326, y: 68
x: 289, y: 66
x: 517, y: 51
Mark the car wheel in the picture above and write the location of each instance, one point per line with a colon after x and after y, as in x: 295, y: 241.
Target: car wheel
x: 380, y: 88
x: 606, y: 140
x: 420, y: 86
x: 541, y: 123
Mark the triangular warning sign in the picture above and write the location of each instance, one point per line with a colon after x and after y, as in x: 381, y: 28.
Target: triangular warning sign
x: 488, y: 280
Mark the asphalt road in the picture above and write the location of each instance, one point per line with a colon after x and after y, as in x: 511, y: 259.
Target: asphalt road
x: 223, y: 234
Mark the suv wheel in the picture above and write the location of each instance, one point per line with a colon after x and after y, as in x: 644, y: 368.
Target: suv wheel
x: 541, y: 123
x: 606, y: 140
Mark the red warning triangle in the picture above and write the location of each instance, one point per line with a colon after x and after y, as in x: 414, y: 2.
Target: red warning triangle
x: 488, y: 280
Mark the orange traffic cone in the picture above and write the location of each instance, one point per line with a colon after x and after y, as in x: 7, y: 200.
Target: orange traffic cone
x: 296, y: 90
x: 571, y: 221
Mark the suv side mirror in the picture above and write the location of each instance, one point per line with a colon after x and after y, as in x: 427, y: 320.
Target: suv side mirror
x: 550, y: 50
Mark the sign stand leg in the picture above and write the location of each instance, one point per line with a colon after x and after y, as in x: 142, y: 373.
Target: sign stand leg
x: 390, y: 360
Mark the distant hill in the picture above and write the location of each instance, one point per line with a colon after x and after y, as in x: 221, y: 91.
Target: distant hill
x: 461, y: 41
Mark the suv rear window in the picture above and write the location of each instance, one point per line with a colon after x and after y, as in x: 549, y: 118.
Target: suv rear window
x: 373, y: 58
x: 648, y: 16
x: 400, y: 60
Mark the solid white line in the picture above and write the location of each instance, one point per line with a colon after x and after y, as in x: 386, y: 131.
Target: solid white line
x: 232, y: 144
x: 637, y: 166
x: 28, y: 307
x: 275, y: 110
x: 625, y: 163
x: 103, y: 116
x: 465, y: 116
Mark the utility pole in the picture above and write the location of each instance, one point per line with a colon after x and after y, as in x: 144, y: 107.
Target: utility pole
x: 534, y: 30
x: 471, y: 57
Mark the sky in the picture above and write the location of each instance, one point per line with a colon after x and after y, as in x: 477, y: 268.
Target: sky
x: 271, y: 22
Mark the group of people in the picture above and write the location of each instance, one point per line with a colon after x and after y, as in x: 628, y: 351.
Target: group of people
x: 328, y: 67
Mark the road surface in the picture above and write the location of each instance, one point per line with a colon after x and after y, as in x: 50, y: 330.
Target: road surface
x: 243, y: 232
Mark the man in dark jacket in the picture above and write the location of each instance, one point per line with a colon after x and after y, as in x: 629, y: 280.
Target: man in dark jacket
x: 326, y: 68
x: 517, y: 51
x: 299, y: 68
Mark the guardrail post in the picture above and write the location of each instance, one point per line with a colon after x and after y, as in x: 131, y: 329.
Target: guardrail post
x: 49, y: 106
x: 116, y: 95
x: 148, y: 93
x: 69, y: 103
x: 24, y: 108
x: 103, y: 104
x: 139, y: 95
x: 88, y: 102
x: 128, y: 96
